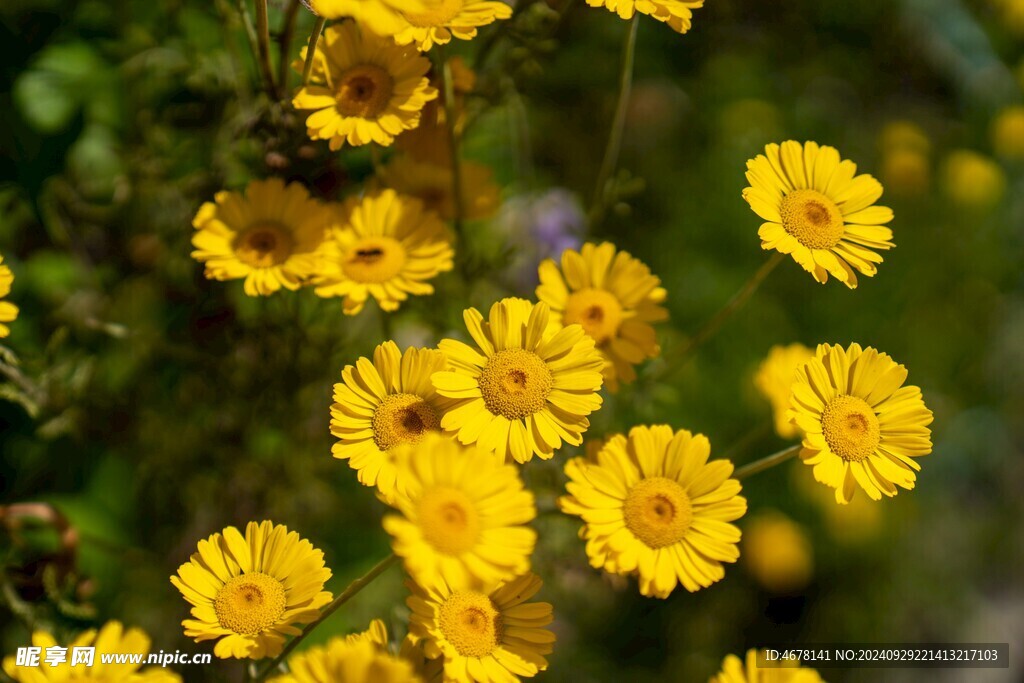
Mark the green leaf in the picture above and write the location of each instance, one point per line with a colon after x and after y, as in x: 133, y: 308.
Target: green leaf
x: 45, y: 103
x: 63, y: 78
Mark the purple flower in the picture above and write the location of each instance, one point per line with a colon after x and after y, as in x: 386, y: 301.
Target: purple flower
x: 539, y: 226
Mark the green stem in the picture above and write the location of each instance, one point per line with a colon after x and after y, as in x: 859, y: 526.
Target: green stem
x: 227, y: 25
x: 27, y: 386
x: 346, y: 595
x: 284, y: 44
x: 611, y: 152
x: 449, y: 115
x: 257, y: 45
x: 766, y: 462
x: 263, y: 46
x: 314, y: 38
x: 731, y: 306
x: 746, y: 441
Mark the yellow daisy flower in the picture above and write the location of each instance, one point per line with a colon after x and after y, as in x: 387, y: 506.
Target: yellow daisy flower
x: 905, y: 166
x: 268, y: 236
x: 494, y: 637
x: 1008, y: 131
x: 411, y: 650
x: 655, y: 507
x: 459, y: 18
x: 348, y: 660
x: 383, y: 17
x: 430, y: 141
x: 112, y: 638
x: 388, y: 247
x: 381, y: 404
x: 525, y: 389
x: 861, y: 425
x: 463, y: 515
x: 857, y: 523
x: 777, y: 552
x: 432, y: 184
x: 973, y: 180
x: 818, y: 210
x: 906, y: 172
x: 733, y: 671
x: 614, y: 297
x: 376, y: 634
x: 250, y: 592
x: 678, y: 14
x: 372, y: 89
x: 774, y: 379
x: 902, y: 134
x: 1012, y: 15
x: 463, y: 78
x: 8, y: 311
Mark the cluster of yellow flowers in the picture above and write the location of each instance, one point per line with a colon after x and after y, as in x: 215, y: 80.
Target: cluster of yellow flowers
x: 970, y: 178
x: 461, y: 531
x: 382, y: 245
x: 441, y: 432
x: 365, y: 88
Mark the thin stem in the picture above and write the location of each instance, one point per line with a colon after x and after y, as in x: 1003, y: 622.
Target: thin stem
x: 346, y: 595
x: 314, y: 38
x: 284, y: 44
x: 263, y: 43
x: 250, y: 29
x: 611, y: 152
x: 731, y: 306
x: 766, y: 462
x: 259, y: 41
x: 26, y: 385
x: 227, y: 25
x: 449, y: 116
x: 746, y: 441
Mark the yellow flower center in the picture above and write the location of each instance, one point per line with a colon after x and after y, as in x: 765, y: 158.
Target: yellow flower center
x: 597, y: 310
x: 658, y: 511
x: 263, y: 245
x: 364, y: 91
x: 374, y: 259
x: 402, y: 418
x: 812, y: 218
x: 515, y: 383
x: 439, y: 15
x: 448, y: 520
x: 250, y: 603
x: 850, y: 428
x: 471, y: 623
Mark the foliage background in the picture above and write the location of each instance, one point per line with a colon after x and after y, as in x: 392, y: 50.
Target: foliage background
x: 153, y: 407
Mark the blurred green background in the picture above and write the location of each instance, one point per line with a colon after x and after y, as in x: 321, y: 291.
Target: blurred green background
x: 152, y: 407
